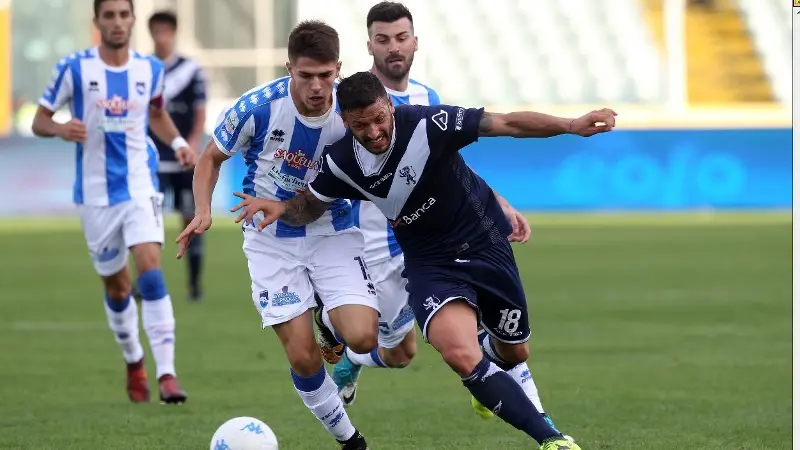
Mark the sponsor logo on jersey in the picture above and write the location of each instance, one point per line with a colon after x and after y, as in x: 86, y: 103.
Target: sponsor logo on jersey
x: 296, y: 160
x: 381, y: 180
x: 116, y: 105
x: 416, y: 214
x: 285, y: 181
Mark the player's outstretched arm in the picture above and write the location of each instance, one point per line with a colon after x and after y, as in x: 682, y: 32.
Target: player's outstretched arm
x: 529, y: 124
x: 299, y: 210
x: 206, y: 174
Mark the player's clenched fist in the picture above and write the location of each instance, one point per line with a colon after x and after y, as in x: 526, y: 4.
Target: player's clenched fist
x: 186, y: 157
x: 197, y: 226
x: 598, y: 121
x: 251, y: 205
x: 72, y: 131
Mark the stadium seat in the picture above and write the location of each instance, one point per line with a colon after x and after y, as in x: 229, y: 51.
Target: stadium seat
x: 524, y: 53
x: 770, y: 23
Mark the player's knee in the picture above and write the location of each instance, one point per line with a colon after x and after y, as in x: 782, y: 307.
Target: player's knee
x: 146, y: 256
x: 513, y: 353
x: 462, y: 359
x: 357, y: 325
x: 118, y: 286
x: 152, y: 285
x: 399, y: 357
x: 304, y: 358
x: 361, y: 339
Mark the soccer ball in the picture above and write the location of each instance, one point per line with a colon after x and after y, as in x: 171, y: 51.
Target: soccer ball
x: 244, y: 433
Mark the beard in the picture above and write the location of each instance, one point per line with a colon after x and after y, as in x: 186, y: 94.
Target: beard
x: 395, y: 73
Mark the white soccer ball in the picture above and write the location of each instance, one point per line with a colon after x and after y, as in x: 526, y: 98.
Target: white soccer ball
x: 244, y: 433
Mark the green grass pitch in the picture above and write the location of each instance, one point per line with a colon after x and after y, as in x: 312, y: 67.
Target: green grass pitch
x: 651, y: 332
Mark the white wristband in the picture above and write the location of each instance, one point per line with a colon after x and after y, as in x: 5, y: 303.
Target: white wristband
x: 178, y: 143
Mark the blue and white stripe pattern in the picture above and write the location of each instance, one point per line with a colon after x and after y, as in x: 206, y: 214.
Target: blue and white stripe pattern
x: 281, y: 149
x: 118, y: 160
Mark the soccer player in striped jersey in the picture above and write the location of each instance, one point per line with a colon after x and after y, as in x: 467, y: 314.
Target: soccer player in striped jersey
x: 281, y: 128
x: 392, y: 44
x: 113, y: 94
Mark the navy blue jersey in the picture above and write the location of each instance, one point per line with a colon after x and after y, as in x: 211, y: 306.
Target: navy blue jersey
x: 439, y: 208
x: 184, y: 90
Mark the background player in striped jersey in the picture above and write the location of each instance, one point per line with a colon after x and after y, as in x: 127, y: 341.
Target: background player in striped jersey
x: 392, y: 45
x: 185, y: 96
x: 282, y: 127
x: 113, y: 93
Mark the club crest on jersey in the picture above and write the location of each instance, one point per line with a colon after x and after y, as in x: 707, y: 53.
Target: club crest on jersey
x: 116, y: 105
x: 296, y: 160
x: 140, y: 87
x: 408, y: 174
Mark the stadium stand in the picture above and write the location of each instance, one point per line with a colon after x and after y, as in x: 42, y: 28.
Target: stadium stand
x: 525, y: 53
x: 770, y: 23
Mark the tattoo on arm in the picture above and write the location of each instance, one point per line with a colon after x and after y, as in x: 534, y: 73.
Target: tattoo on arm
x: 485, y: 126
x: 303, y: 208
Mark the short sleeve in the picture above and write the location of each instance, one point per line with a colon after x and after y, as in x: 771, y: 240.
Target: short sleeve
x: 157, y: 89
x: 199, y: 88
x: 451, y: 128
x: 328, y: 187
x: 59, y: 90
x: 234, y: 129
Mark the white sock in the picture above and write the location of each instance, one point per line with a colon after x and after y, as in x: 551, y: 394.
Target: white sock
x: 125, y: 325
x: 371, y: 359
x: 159, y: 325
x: 522, y: 375
x: 320, y: 395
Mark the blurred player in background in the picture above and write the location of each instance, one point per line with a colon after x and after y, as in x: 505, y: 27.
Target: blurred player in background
x: 282, y: 128
x: 113, y: 93
x: 392, y: 45
x: 185, y: 96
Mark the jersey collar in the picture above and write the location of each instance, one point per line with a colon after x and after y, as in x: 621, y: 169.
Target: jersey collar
x: 370, y: 163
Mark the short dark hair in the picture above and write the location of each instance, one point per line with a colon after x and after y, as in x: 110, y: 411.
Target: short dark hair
x: 314, y: 39
x: 165, y: 17
x: 388, y: 12
x: 359, y: 90
x: 97, y: 4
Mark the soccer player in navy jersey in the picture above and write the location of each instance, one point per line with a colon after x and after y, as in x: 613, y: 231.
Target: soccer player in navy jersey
x: 185, y: 96
x: 392, y: 44
x: 454, y: 234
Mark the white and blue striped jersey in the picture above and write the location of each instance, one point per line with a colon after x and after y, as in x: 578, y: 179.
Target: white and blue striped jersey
x: 380, y: 243
x: 281, y: 149
x: 118, y: 161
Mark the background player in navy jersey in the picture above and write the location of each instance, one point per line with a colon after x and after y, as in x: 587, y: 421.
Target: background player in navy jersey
x: 392, y: 44
x: 185, y: 96
x: 113, y: 93
x: 281, y: 128
x: 459, y: 263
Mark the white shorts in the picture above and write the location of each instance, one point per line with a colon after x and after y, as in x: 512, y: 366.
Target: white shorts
x: 111, y: 230
x: 285, y: 273
x: 396, y: 317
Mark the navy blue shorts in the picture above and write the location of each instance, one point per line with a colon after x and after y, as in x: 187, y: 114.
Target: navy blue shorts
x: 487, y: 279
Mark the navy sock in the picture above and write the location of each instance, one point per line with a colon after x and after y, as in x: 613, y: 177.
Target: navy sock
x: 195, y: 260
x: 499, y: 392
